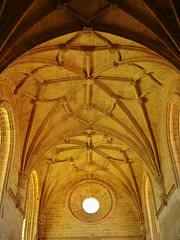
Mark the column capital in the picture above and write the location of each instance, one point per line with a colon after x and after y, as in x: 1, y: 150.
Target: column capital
x: 21, y: 191
x: 160, y: 180
x: 40, y: 226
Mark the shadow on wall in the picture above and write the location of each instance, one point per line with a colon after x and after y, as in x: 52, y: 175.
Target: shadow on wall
x: 170, y: 226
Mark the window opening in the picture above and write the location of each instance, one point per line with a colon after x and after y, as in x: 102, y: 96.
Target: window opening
x: 91, y: 205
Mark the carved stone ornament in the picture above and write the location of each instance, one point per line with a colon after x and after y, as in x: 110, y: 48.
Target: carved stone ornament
x: 87, y: 31
x: 61, y: 5
x: 21, y: 192
x: 40, y: 226
x: 160, y: 180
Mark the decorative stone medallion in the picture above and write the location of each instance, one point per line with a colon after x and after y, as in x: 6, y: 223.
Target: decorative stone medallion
x: 96, y: 190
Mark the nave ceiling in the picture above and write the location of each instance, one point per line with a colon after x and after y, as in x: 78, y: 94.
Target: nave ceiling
x: 89, y: 97
x: 89, y: 106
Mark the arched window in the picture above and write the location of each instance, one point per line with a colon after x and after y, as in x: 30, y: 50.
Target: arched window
x: 31, y: 211
x: 4, y: 146
x: 175, y: 132
x: 150, y: 206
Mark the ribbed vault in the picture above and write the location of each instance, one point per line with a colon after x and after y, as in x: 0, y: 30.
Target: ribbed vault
x: 88, y: 81
x: 154, y: 24
x: 89, y: 108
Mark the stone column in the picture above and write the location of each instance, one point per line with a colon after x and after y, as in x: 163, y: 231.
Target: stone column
x: 160, y: 180
x: 142, y: 223
x: 21, y: 191
x: 40, y: 226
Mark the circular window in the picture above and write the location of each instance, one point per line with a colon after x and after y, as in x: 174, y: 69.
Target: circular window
x: 90, y: 205
x: 91, y: 201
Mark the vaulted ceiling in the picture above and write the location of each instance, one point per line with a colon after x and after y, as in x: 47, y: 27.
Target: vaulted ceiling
x: 88, y: 77
x: 154, y: 24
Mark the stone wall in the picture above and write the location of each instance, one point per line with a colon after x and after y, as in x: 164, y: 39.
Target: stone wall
x: 169, y: 220
x: 61, y: 224
x: 11, y: 217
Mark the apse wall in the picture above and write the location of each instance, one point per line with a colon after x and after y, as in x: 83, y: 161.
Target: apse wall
x: 60, y: 224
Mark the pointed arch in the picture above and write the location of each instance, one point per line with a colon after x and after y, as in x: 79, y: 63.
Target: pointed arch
x: 6, y: 145
x: 152, y: 223
x: 31, y: 210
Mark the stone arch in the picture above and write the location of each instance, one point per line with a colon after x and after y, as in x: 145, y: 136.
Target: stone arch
x: 150, y: 210
x: 6, y: 145
x: 29, y: 229
x: 174, y: 130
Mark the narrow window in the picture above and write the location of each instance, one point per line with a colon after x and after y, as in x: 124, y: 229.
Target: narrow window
x: 31, y: 212
x: 175, y: 133
x: 4, y: 145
